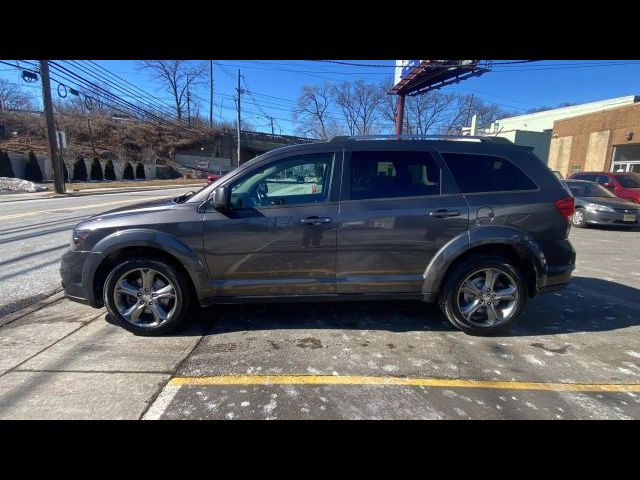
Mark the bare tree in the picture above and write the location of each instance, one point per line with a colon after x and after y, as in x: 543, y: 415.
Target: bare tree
x: 359, y: 102
x: 177, y: 76
x: 428, y: 111
x: 12, y: 97
x: 313, y: 114
x: 466, y: 106
x: 387, y: 107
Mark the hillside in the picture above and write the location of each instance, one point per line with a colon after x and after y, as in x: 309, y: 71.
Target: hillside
x: 101, y: 135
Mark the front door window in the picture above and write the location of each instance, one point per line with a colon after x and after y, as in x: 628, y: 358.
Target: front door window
x: 295, y: 181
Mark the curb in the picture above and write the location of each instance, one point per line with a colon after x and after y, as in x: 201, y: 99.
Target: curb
x: 53, y: 297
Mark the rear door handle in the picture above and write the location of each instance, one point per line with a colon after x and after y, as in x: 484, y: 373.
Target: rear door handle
x: 444, y: 213
x: 315, y: 220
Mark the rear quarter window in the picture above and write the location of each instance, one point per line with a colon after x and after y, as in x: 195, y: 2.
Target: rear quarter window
x: 486, y: 173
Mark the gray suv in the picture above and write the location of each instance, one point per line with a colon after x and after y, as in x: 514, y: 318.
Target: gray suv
x: 478, y: 225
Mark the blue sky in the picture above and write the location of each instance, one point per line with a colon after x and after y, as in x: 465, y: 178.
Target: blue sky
x: 275, y: 84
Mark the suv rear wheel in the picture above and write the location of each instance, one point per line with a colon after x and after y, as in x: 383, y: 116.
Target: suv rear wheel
x: 147, y: 297
x: 483, y: 295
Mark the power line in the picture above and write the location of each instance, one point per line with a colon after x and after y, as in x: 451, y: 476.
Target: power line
x: 94, y: 89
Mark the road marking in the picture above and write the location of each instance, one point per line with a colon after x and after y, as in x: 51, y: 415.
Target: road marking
x: 83, y: 207
x: 412, y: 382
x: 161, y: 403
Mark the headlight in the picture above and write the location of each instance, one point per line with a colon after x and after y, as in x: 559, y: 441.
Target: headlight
x: 79, y: 238
x: 599, y: 208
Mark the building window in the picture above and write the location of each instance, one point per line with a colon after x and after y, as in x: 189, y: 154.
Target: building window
x: 576, y: 169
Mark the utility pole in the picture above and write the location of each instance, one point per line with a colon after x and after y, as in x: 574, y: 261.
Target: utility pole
x: 271, y: 119
x: 239, y: 90
x: 211, y: 98
x: 188, y: 103
x: 400, y: 113
x: 58, y: 173
x: 469, y: 112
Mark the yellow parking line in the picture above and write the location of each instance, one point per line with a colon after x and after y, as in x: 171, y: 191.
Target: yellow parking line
x: 412, y: 382
x: 83, y: 207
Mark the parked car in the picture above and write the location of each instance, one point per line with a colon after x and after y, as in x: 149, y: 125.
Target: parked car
x: 478, y: 226
x: 623, y: 185
x: 596, y: 205
x: 212, y: 178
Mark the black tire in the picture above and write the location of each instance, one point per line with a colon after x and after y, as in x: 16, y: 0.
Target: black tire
x: 579, y: 221
x: 450, y: 291
x: 177, y: 279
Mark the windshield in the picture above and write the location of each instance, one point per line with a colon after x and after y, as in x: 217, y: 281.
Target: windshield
x: 588, y: 189
x: 629, y: 181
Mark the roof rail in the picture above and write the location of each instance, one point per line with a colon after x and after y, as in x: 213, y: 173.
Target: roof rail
x: 455, y: 138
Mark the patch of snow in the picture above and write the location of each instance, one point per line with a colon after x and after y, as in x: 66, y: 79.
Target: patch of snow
x: 270, y: 407
x: 534, y: 360
x: 19, y: 185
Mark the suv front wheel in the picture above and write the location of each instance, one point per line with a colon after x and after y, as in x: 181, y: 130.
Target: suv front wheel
x: 147, y: 297
x: 483, y: 295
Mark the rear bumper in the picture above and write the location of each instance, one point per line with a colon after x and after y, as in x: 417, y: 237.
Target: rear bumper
x: 558, y: 268
x: 610, y: 218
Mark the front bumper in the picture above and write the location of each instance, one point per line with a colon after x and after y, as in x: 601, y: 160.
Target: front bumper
x: 611, y: 218
x: 75, y: 282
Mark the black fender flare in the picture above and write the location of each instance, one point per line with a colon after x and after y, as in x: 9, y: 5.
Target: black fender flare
x: 154, y: 239
x: 526, y: 247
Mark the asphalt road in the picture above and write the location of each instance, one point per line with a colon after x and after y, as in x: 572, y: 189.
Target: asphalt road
x: 35, y: 233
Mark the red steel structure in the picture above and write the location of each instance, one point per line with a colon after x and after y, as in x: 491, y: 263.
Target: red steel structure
x: 422, y: 76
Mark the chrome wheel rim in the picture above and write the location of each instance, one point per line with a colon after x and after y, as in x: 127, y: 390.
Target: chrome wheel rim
x: 488, y: 297
x: 578, y: 217
x: 145, y: 297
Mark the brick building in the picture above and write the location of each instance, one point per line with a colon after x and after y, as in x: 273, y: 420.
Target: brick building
x: 608, y: 140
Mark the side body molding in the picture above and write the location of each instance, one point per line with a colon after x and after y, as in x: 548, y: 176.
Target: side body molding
x: 524, y: 245
x: 155, y: 239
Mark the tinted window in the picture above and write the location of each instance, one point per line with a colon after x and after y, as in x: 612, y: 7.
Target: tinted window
x: 393, y: 174
x: 629, y: 181
x: 485, y: 173
x: 589, y: 178
x: 588, y: 189
x: 294, y: 181
x: 602, y: 179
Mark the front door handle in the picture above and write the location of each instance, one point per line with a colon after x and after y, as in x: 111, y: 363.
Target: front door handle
x: 315, y: 220
x: 444, y: 213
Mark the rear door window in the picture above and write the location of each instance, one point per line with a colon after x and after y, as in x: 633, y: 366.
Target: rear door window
x: 486, y: 173
x: 377, y: 174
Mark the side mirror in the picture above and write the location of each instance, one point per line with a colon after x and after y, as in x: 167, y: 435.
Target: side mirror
x: 220, y: 201
x: 609, y: 185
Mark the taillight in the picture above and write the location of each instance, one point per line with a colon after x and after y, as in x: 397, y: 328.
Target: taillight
x: 566, y: 206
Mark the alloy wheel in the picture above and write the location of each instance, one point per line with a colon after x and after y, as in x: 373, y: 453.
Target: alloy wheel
x: 145, y: 297
x: 488, y: 297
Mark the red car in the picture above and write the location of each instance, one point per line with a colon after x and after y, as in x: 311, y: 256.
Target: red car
x: 622, y: 184
x: 212, y: 178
